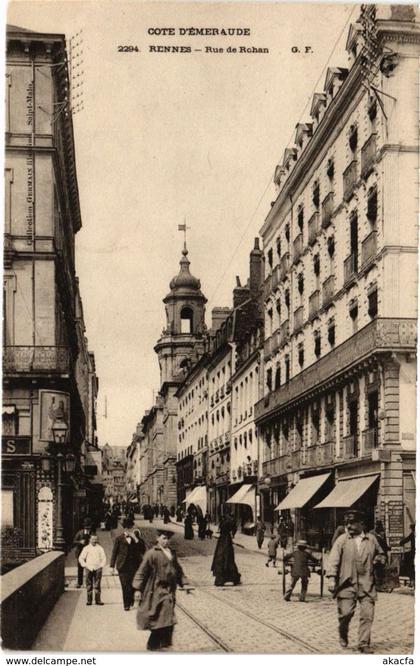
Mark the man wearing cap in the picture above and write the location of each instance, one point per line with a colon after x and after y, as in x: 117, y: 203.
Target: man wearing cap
x: 79, y: 542
x: 157, y: 579
x: 350, y: 574
x: 300, y: 569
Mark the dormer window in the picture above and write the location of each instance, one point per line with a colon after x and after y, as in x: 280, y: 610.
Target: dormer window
x: 353, y: 138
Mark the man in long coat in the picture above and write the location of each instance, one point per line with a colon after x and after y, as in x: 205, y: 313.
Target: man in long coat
x: 127, y: 555
x: 350, y: 573
x: 157, y: 579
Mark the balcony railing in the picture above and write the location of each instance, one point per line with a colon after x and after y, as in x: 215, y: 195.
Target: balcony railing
x: 284, y: 333
x: 298, y: 319
x: 369, y: 248
x: 350, y: 446
x: 350, y: 267
x: 349, y: 180
x: 327, y: 210
x: 368, y: 154
x: 328, y: 290
x: 314, y: 304
x: 369, y: 440
x: 36, y: 359
x: 313, y: 228
x: 380, y: 335
x: 297, y: 247
x: 284, y: 266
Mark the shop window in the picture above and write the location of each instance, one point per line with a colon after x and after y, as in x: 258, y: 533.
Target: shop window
x: 373, y: 304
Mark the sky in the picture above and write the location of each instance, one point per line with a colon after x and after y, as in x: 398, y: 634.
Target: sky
x: 168, y: 137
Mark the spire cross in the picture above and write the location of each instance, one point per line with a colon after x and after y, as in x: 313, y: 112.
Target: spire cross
x: 183, y: 227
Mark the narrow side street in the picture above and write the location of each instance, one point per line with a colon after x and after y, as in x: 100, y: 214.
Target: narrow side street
x: 250, y: 618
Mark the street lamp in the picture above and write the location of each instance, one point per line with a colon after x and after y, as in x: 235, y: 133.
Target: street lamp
x: 64, y: 462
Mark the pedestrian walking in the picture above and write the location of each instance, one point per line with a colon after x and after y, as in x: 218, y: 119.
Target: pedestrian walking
x: 259, y: 531
x: 223, y: 566
x: 351, y: 580
x: 166, y: 515
x: 300, y: 569
x: 273, y: 544
x: 282, y: 532
x: 81, y: 540
x: 157, y: 579
x: 93, y: 559
x: 127, y: 555
x: 188, y: 526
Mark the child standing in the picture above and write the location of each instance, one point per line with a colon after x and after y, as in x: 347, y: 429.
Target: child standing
x: 300, y: 569
x: 273, y: 544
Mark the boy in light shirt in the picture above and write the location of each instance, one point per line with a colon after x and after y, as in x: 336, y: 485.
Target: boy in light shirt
x: 93, y: 559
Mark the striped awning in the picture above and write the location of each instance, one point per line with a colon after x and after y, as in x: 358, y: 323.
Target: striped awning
x: 303, y: 491
x: 347, y: 492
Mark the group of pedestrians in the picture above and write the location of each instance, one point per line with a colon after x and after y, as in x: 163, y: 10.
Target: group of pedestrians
x: 154, y: 511
x: 195, y: 513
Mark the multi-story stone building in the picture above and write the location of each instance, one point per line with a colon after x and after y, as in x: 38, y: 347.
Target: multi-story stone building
x: 340, y: 242
x: 44, y: 356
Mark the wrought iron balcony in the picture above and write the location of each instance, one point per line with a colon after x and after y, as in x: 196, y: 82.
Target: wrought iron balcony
x: 314, y: 304
x: 350, y: 444
x: 298, y: 319
x: 297, y: 247
x: 328, y: 290
x: 349, y: 180
x: 313, y: 228
x: 369, y: 248
x: 368, y: 155
x: 284, y: 266
x: 369, y: 440
x: 327, y: 210
x: 350, y: 267
x: 38, y: 359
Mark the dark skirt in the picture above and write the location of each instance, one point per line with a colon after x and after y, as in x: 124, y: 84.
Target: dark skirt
x: 223, y: 567
x: 188, y: 531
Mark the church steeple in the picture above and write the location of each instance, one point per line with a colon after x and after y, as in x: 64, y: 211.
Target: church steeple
x: 185, y: 322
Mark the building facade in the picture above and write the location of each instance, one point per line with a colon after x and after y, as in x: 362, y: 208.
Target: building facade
x: 340, y: 243
x: 43, y: 356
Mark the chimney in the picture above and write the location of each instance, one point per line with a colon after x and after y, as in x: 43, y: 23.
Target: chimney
x: 240, y: 294
x: 218, y: 316
x: 256, y: 269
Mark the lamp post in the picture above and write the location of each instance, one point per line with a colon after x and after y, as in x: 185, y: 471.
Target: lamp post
x: 64, y: 463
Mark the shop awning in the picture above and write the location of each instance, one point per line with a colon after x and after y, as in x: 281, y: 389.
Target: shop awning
x: 347, y: 492
x: 303, y: 491
x: 245, y: 495
x: 198, y: 496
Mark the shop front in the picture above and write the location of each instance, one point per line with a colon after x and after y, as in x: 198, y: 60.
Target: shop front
x: 244, y: 505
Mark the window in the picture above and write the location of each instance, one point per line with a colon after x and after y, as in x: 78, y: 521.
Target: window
x: 372, y: 205
x: 372, y: 112
x: 278, y: 307
x: 373, y: 303
x: 301, y: 354
x: 278, y: 246
x: 277, y: 378
x: 353, y: 312
x: 317, y: 344
x: 187, y: 320
x: 316, y: 195
x: 7, y: 508
x: 270, y: 258
x: 331, y: 246
x: 287, y: 366
x: 300, y: 217
x: 301, y: 283
x: 287, y: 298
x: 316, y: 264
x: 353, y: 138
x: 330, y: 168
x: 269, y: 381
x: 287, y: 232
x: 331, y: 332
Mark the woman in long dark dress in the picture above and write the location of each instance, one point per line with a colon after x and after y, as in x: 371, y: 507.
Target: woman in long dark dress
x: 223, y: 566
x: 188, y: 526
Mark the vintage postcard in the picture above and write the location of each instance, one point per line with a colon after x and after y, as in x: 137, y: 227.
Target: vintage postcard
x: 209, y: 327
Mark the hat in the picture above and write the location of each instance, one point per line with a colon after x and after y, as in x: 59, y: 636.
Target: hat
x: 354, y: 515
x: 87, y: 522
x: 302, y: 542
x: 167, y: 533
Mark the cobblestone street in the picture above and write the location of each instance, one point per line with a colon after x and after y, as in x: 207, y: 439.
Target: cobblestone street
x: 250, y: 618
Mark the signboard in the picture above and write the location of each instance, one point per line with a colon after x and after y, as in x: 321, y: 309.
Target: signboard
x: 15, y: 445
x: 54, y: 406
x: 395, y: 523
